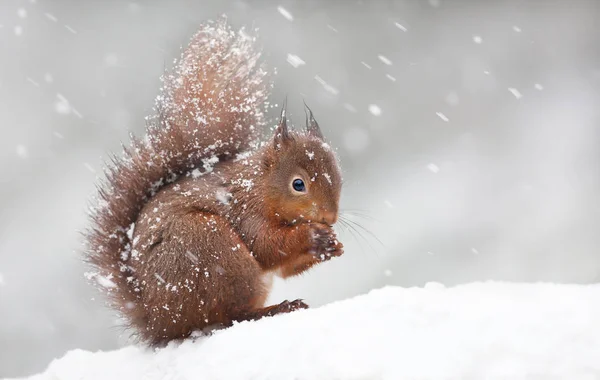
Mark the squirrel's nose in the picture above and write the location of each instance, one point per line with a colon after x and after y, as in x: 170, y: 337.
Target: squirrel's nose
x: 329, y: 217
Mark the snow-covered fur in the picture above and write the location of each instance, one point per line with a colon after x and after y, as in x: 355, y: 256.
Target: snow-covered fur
x: 211, y: 106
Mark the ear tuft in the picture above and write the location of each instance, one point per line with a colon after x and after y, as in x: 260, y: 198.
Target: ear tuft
x: 282, y: 133
x: 312, y: 127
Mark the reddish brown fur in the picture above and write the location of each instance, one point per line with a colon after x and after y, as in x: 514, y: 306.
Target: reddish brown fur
x: 204, y: 238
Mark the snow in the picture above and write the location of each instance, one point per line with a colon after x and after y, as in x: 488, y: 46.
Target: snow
x: 33, y: 82
x: 384, y: 59
x: 329, y: 88
x: 374, y: 109
x: 400, y: 26
x: 285, y: 13
x: 70, y: 29
x: 62, y: 105
x: 488, y: 330
x: 442, y: 116
x: 350, y: 107
x: 105, y: 281
x: 294, y: 60
x: 433, y: 168
x: 477, y: 39
x: 515, y: 92
x: 89, y: 167
x: 51, y: 17
x: 330, y: 27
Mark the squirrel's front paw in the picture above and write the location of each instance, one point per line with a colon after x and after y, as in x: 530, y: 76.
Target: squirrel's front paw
x: 324, y: 244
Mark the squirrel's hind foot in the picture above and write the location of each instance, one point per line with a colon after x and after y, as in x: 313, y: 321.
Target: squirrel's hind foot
x: 285, y: 307
x: 281, y: 308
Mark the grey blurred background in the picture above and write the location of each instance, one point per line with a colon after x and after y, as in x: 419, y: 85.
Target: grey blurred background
x: 469, y: 134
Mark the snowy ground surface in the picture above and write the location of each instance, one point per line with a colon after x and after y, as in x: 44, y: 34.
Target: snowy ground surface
x: 473, y: 331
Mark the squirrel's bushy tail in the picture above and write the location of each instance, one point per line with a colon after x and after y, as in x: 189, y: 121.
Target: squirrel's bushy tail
x: 211, y: 106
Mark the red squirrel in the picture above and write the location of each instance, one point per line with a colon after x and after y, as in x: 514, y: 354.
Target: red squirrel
x: 195, y: 217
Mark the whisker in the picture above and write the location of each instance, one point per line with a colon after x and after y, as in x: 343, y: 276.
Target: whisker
x: 361, y: 214
x: 358, y: 229
x: 351, y: 231
x: 366, y: 230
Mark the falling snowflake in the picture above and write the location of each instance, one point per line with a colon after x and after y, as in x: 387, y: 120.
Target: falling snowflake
x: 285, y: 13
x: 515, y: 92
x: 36, y: 84
x: 375, y: 109
x: 62, y: 105
x: 442, y: 116
x: 89, y: 167
x: 70, y: 29
x: 400, y: 26
x: 384, y: 59
x: 433, y: 168
x: 329, y: 88
x: 106, y: 281
x: 295, y: 61
x: 350, y: 107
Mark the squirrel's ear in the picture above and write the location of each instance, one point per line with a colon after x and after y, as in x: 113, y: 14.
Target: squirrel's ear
x: 282, y: 133
x: 311, y: 124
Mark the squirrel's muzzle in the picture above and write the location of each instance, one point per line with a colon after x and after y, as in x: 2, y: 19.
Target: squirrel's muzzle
x: 329, y: 217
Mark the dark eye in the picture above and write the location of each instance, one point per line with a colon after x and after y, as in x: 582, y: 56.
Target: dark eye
x: 298, y: 185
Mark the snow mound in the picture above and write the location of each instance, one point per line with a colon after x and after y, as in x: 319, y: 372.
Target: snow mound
x: 474, y: 331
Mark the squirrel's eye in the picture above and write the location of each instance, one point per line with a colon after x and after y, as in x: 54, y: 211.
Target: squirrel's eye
x: 298, y: 185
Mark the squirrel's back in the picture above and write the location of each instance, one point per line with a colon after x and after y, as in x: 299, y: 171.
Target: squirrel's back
x: 210, y: 108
